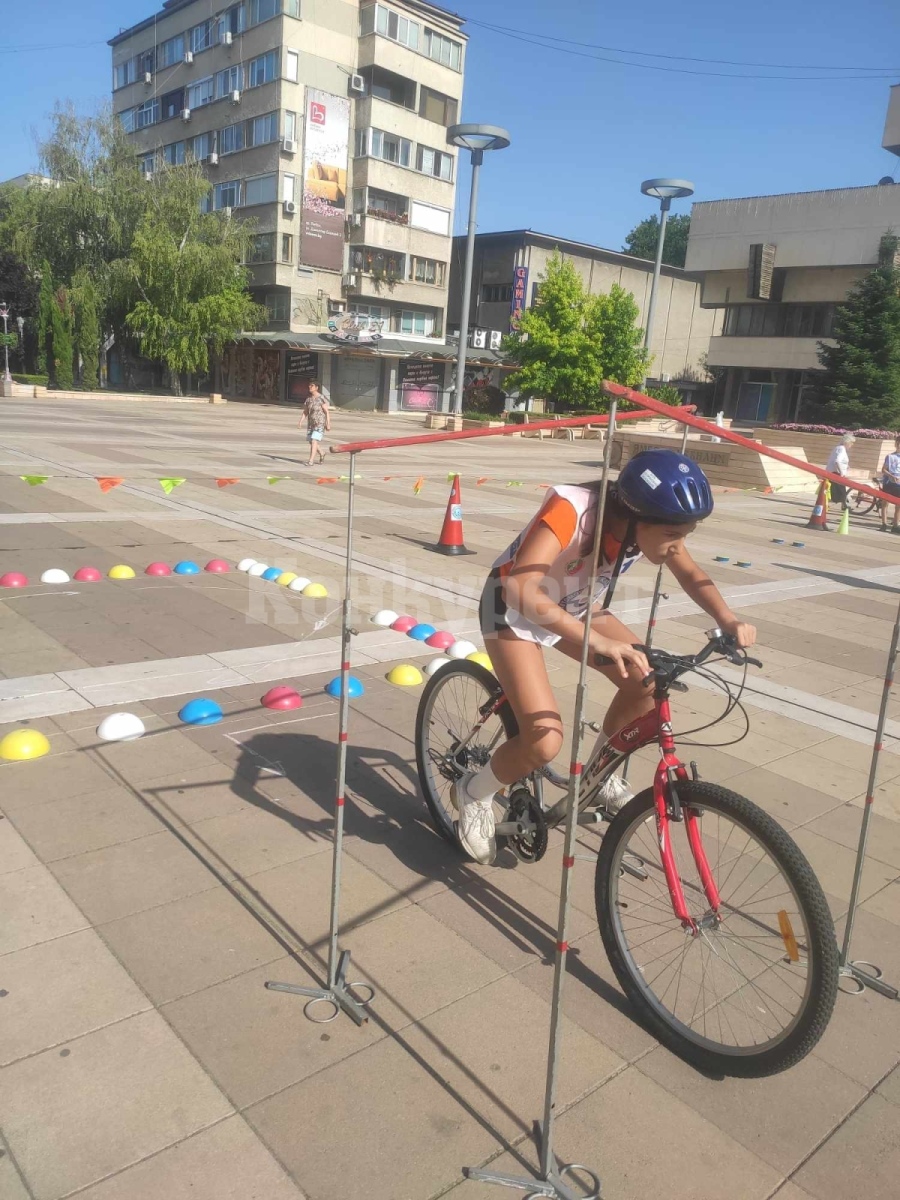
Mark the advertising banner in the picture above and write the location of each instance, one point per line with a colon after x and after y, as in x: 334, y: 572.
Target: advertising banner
x: 519, y: 295
x: 300, y: 367
x: 420, y: 383
x: 325, y: 154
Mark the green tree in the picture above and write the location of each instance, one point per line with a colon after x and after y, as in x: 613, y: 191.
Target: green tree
x: 19, y: 288
x: 641, y: 242
x: 185, y: 277
x: 861, y: 384
x: 61, y: 334
x: 86, y: 302
x: 46, y: 304
x: 570, y: 341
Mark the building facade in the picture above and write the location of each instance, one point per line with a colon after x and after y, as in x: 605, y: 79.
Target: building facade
x: 325, y: 122
x: 778, y: 266
x: 506, y: 275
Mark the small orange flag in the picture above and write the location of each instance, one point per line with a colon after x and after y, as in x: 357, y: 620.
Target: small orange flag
x: 328, y: 479
x: 483, y: 479
x: 226, y: 482
x: 387, y: 477
x: 418, y: 485
x: 108, y: 482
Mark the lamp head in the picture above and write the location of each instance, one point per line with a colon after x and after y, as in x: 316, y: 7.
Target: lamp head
x: 478, y: 137
x: 667, y: 189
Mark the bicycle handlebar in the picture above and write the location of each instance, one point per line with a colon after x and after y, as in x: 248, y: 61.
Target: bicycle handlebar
x: 666, y: 667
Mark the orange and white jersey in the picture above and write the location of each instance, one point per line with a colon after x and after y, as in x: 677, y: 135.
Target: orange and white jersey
x: 571, y: 513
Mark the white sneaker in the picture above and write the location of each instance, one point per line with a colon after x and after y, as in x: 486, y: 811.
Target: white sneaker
x: 614, y: 794
x: 475, y: 827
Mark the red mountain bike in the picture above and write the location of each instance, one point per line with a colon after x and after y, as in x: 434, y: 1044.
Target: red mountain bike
x: 713, y: 920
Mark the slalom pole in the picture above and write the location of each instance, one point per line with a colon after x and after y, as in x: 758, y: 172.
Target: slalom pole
x: 867, y: 974
x: 338, y: 993
x: 552, y: 1182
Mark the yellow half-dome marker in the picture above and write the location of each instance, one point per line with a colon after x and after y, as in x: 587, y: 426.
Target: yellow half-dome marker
x: 481, y: 658
x: 121, y: 572
x: 315, y: 590
x: 404, y: 675
x: 24, y: 744
x: 286, y: 578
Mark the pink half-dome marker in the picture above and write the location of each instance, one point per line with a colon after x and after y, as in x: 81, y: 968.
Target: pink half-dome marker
x: 13, y: 579
x: 440, y: 640
x: 282, y: 699
x: 404, y: 624
x: 87, y: 575
x: 158, y: 569
x: 217, y: 566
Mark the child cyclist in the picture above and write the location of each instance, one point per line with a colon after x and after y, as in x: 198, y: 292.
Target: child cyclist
x: 537, y: 595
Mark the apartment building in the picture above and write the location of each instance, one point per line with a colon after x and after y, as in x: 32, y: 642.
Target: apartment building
x: 325, y: 122
x: 779, y: 266
x: 506, y: 276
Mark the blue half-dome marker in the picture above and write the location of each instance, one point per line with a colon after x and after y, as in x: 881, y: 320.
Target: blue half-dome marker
x: 201, y: 711
x: 186, y: 568
x: 422, y: 633
x: 272, y: 573
x: 354, y: 687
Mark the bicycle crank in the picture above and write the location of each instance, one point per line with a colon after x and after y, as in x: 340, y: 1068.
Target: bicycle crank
x: 524, y: 827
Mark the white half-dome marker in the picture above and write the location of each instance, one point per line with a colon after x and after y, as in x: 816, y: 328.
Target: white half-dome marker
x: 258, y: 569
x: 436, y: 664
x: 120, y: 727
x: 298, y: 584
x: 246, y: 563
x: 55, y: 575
x: 386, y: 617
x: 461, y: 649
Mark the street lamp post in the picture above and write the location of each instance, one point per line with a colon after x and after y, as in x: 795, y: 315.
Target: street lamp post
x: 4, y: 313
x: 477, y: 139
x: 665, y: 191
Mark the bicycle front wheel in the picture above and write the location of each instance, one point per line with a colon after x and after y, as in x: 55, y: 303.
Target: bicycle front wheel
x: 860, y: 503
x: 751, y: 992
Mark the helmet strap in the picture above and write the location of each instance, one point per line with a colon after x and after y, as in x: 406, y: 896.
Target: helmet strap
x: 625, y: 546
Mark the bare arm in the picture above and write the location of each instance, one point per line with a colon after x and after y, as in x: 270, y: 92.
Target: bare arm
x: 701, y: 589
x: 523, y: 590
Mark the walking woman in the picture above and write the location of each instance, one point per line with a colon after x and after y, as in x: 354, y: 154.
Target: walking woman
x: 537, y: 595
x: 318, y: 422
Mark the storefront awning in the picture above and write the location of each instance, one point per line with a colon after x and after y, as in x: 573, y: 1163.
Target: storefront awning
x: 385, y: 348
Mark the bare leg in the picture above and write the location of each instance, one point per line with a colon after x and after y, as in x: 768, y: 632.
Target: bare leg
x: 632, y: 699
x: 520, y: 668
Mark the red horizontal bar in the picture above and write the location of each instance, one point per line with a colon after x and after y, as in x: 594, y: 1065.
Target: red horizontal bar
x: 680, y: 414
x: 431, y: 438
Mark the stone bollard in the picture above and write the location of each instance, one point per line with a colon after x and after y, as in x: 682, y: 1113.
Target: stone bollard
x: 217, y: 398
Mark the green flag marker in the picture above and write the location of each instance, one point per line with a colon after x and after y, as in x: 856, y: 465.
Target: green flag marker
x: 34, y: 480
x: 169, y: 485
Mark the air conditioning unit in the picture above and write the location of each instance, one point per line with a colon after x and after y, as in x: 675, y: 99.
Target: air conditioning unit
x: 148, y: 77
x: 350, y: 281
x: 227, y: 38
x: 479, y: 339
x: 226, y: 212
x: 357, y: 85
x: 213, y: 159
x: 336, y: 306
x: 185, y: 114
x: 355, y: 220
x: 235, y: 97
x: 289, y: 207
x: 148, y: 176
x: 289, y: 146
x: 496, y: 339
x: 188, y: 57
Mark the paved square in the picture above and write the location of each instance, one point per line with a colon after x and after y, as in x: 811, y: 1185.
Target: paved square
x: 150, y: 889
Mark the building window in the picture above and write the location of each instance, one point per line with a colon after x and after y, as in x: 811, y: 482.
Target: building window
x: 380, y: 263
x: 379, y: 19
x: 263, y: 130
x: 174, y: 154
x: 231, y: 138
x: 200, y: 93
x: 228, y: 81
x: 435, y: 106
x: 262, y: 248
x: 147, y: 163
x: 203, y: 36
x: 287, y: 248
x: 262, y: 189
x: 779, y: 320
x: 126, y: 120
x: 202, y: 146
x: 387, y: 146
x: 172, y: 104
x: 395, y: 89
x: 124, y: 74
x: 288, y: 188
x: 292, y: 66
x: 430, y: 217
x: 427, y: 270
x: 278, y: 305
x: 263, y: 69
x: 290, y: 125
x: 417, y: 322
x: 434, y: 162
x: 443, y: 50
x: 496, y: 293
x: 170, y: 52
x: 385, y: 205
x: 146, y: 114
x: 226, y: 195
x: 233, y: 21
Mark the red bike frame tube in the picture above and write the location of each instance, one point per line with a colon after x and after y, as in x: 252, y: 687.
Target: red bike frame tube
x: 421, y: 439
x: 725, y: 435
x: 668, y: 761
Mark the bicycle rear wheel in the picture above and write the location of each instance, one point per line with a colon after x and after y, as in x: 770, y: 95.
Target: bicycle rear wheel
x: 452, y: 704
x: 751, y: 993
x: 860, y: 504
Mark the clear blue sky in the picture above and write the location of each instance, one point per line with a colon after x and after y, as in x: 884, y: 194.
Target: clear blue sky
x: 585, y: 132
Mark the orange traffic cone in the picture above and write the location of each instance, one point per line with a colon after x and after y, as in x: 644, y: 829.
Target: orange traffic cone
x: 451, y: 539
x: 819, y: 516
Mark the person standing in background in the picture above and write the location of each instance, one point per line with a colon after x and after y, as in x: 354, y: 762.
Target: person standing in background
x: 838, y: 464
x: 891, y: 484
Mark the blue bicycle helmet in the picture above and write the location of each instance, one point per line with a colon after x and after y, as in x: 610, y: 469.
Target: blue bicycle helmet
x: 664, y: 487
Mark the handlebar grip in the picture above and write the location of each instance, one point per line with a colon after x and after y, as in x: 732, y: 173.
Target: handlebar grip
x: 602, y: 660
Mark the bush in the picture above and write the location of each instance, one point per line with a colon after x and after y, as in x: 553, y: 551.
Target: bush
x: 468, y: 415
x: 36, y: 380
x: 666, y: 394
x: 878, y: 435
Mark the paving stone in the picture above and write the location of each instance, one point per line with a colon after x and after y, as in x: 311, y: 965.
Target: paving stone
x: 60, y: 989
x: 106, y: 1100
x: 74, y: 824
x: 843, y: 824
x: 12, y: 1186
x: 224, y: 1162
x: 834, y: 865
x: 15, y: 853
x: 35, y: 909
x: 864, y: 1151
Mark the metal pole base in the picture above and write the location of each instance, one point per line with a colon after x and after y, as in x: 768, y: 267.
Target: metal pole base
x: 338, y: 996
x: 553, y: 1184
x: 867, y: 975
